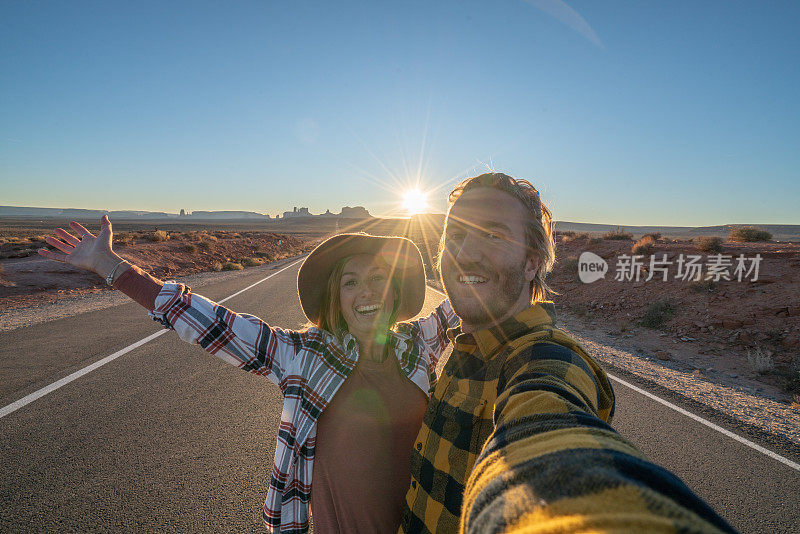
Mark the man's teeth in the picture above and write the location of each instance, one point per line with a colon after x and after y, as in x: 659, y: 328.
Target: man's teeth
x: 366, y: 310
x: 464, y: 279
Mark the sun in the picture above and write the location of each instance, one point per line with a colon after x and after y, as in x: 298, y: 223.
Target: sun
x: 415, y: 201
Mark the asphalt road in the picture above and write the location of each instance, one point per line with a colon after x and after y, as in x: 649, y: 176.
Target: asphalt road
x: 169, y: 438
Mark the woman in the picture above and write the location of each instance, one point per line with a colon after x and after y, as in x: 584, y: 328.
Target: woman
x: 355, y: 384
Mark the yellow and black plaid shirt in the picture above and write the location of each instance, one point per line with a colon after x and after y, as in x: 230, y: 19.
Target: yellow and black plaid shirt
x: 516, y: 436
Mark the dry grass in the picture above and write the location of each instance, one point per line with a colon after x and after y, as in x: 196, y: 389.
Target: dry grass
x: 703, y: 286
x: 655, y: 235
x: 658, y: 313
x: 216, y: 266
x: 158, y: 236
x: 706, y: 243
x: 570, y: 266
x: 618, y: 234
x: 749, y: 234
x: 791, y: 382
x: 122, y: 239
x: 760, y: 360
x: 644, y: 246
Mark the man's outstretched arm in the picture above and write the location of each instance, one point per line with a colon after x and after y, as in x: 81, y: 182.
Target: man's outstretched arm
x: 552, y: 465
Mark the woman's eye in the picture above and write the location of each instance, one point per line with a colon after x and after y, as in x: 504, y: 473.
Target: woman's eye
x: 492, y: 237
x: 350, y: 283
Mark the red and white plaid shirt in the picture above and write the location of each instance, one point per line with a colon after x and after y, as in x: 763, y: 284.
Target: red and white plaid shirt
x: 309, y: 366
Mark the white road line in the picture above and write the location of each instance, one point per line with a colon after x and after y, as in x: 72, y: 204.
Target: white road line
x: 38, y: 394
x: 709, y: 424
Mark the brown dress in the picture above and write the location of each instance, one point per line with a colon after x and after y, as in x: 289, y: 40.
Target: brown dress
x: 363, y: 450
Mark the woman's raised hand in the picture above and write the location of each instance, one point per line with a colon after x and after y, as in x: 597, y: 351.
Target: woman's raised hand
x: 85, y: 251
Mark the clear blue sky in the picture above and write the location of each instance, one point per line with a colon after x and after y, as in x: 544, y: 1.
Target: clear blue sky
x: 666, y: 113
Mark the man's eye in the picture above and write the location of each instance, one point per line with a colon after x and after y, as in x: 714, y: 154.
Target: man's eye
x: 492, y: 237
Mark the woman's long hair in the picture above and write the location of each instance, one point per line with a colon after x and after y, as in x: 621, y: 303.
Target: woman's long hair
x: 330, y: 317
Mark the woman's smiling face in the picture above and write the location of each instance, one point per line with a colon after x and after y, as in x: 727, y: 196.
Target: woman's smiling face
x: 366, y: 295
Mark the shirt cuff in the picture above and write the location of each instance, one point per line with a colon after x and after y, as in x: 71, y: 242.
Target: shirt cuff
x: 171, y: 294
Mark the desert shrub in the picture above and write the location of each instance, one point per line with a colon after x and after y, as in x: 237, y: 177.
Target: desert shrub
x: 618, y: 234
x: 122, y: 239
x: 572, y: 236
x: 655, y: 235
x: 774, y: 337
x: 157, y: 236
x: 231, y: 266
x: 748, y: 234
x: 760, y: 360
x: 703, y: 286
x: 251, y: 262
x: 189, y: 247
x: 569, y: 264
x: 706, y: 243
x: 205, y: 245
x: 216, y: 266
x: 644, y: 245
x: 565, y: 233
x: 658, y: 313
x: 791, y: 382
x: 265, y: 255
x: 570, y: 267
x: 594, y: 240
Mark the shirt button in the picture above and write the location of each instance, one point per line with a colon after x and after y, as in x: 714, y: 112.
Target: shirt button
x: 419, y: 446
x: 414, y: 484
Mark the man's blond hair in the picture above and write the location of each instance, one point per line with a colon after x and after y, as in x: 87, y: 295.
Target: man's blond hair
x: 538, y: 228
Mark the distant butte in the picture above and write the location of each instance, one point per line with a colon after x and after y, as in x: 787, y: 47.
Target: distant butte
x: 357, y: 212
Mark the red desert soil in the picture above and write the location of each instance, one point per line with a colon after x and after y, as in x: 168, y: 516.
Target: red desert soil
x: 34, y: 280
x: 727, y: 327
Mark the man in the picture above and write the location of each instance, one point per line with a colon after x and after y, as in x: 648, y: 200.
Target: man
x: 516, y: 433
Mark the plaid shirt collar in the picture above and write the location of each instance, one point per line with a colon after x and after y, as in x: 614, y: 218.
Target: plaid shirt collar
x: 485, y: 343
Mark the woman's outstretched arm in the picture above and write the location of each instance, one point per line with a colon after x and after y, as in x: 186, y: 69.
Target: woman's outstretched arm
x: 433, y: 328
x: 239, y: 339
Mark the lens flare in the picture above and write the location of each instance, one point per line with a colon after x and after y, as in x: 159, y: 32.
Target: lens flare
x: 415, y: 201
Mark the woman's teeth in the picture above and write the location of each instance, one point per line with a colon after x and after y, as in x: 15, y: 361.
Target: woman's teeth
x: 464, y: 279
x: 369, y: 309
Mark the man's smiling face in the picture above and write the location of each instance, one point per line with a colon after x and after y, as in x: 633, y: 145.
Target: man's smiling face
x: 485, y: 263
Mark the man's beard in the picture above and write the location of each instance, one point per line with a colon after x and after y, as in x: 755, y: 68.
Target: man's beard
x: 491, y: 309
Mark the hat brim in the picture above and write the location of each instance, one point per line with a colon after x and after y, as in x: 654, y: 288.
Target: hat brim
x: 401, y: 256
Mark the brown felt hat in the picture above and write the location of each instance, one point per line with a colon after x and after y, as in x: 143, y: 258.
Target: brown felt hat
x: 401, y: 256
